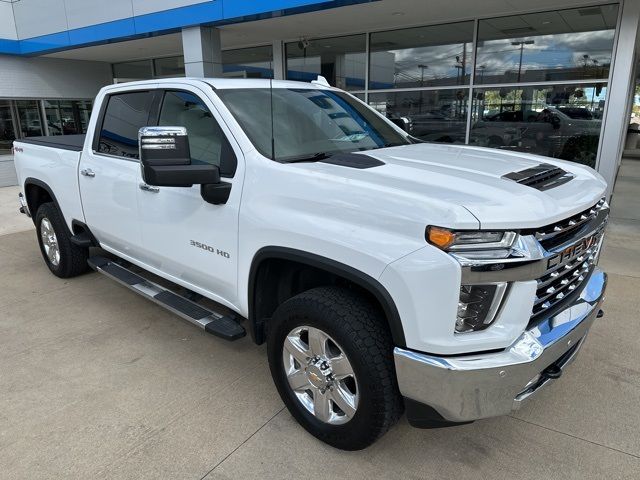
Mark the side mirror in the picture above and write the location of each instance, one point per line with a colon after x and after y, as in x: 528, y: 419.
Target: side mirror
x: 403, y: 122
x: 166, y: 159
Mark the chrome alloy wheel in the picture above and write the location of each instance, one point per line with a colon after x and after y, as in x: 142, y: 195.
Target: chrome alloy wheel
x: 50, y: 242
x: 320, y: 375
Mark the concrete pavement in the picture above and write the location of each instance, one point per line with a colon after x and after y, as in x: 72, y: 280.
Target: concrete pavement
x: 10, y: 220
x: 7, y: 171
x: 96, y: 382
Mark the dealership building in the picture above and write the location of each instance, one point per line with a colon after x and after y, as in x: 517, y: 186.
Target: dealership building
x: 552, y: 77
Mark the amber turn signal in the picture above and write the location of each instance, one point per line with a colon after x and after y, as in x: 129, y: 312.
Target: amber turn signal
x: 441, y: 237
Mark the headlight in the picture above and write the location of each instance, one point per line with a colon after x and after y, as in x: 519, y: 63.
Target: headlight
x: 478, y: 306
x: 472, y: 244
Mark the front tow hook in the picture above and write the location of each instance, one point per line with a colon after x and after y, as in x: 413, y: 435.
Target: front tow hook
x: 552, y: 372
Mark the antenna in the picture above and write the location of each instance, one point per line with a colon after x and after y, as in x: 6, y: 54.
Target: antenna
x: 321, y: 81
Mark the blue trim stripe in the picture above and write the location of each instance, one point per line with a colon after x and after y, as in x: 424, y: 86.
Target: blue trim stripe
x: 213, y: 13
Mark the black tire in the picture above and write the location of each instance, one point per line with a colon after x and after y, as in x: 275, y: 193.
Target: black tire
x: 73, y: 259
x: 359, y: 328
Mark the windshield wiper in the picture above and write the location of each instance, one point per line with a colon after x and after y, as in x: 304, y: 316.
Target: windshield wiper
x: 315, y: 157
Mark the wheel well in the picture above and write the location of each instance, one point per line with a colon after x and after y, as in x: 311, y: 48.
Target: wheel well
x: 36, y: 195
x: 275, y: 280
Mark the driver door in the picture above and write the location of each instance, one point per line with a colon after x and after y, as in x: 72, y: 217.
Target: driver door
x: 188, y: 240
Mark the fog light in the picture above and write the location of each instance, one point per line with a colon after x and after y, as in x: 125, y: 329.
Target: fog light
x: 478, y: 306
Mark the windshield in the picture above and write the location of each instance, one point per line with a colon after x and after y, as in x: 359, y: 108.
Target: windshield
x: 307, y: 123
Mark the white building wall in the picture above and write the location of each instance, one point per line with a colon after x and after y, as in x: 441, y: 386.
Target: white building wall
x: 39, y: 17
x: 141, y: 7
x: 7, y: 22
x: 51, y: 78
x: 42, y: 17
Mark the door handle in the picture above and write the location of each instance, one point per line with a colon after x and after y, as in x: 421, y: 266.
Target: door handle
x: 149, y: 188
x: 87, y: 172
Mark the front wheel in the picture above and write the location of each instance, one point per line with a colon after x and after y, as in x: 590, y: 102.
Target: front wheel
x: 331, y: 359
x: 64, y: 259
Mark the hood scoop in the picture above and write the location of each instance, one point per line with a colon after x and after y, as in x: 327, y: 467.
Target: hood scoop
x: 541, y: 177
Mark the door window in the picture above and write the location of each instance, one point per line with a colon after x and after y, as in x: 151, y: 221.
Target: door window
x: 126, y: 113
x: 207, y: 142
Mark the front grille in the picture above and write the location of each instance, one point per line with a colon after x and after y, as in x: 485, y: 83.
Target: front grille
x: 558, y: 233
x: 559, y: 282
x: 571, y: 267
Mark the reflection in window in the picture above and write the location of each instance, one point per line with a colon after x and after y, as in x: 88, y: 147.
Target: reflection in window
x: 133, y: 70
x: 67, y: 117
x: 169, y: 67
x: 434, y: 116
x: 206, y: 140
x: 7, y: 127
x: 254, y: 62
x: 54, y: 118
x: 29, y: 118
x: 549, y: 46
x: 286, y: 124
x: 341, y: 60
x: 126, y: 114
x: 422, y: 57
x: 561, y: 121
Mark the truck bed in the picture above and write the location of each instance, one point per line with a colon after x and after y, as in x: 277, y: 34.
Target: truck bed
x: 52, y: 163
x: 74, y: 143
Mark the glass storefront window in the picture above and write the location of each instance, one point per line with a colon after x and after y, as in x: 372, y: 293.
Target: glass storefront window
x: 67, y: 117
x: 561, y: 121
x: 54, y: 118
x: 84, y: 114
x: 133, y: 70
x: 254, y: 62
x: 169, y: 66
x: 422, y: 57
x: 7, y: 127
x: 29, y: 118
x: 341, y: 60
x: 433, y: 115
x: 571, y: 44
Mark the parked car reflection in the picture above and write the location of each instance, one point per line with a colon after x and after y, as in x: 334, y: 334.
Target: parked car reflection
x: 569, y: 133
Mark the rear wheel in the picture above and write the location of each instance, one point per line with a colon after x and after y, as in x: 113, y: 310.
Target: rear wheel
x: 331, y: 359
x: 64, y: 259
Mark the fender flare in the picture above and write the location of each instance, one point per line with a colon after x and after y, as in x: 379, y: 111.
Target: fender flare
x: 47, y: 188
x: 358, y: 277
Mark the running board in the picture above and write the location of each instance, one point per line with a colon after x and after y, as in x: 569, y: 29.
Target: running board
x: 222, y: 326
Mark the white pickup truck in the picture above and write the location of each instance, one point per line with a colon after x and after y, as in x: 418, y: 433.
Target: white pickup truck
x: 384, y: 274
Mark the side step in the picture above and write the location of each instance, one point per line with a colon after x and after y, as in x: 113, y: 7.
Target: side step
x: 222, y: 326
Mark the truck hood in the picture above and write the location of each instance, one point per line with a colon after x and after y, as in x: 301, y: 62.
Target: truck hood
x: 472, y: 178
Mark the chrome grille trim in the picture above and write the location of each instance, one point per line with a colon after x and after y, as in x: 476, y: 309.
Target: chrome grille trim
x: 565, y: 277
x: 563, y: 227
x: 561, y: 266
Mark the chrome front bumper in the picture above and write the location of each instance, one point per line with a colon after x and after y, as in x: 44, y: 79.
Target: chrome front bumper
x: 467, y: 388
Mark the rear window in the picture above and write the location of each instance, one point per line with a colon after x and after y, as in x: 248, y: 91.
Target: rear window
x: 126, y: 113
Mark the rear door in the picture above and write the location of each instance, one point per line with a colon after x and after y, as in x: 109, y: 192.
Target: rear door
x: 110, y: 171
x: 187, y: 239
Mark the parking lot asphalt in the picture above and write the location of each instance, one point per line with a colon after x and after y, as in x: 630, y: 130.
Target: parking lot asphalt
x: 96, y: 382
